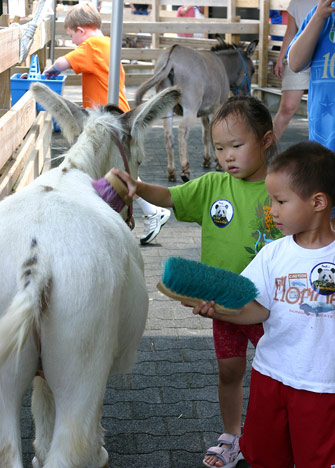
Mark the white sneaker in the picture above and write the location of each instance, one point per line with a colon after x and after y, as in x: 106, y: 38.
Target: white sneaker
x: 153, y: 224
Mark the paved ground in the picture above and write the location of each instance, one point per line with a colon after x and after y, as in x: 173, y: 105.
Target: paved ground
x: 166, y: 412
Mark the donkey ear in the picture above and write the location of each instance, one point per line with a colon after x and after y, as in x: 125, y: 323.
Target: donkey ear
x: 68, y: 115
x: 251, y: 47
x: 147, y: 113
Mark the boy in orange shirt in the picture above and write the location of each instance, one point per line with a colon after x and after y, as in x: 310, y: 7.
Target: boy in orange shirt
x: 91, y: 56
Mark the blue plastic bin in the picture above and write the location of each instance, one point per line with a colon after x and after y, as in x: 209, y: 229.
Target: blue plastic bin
x: 19, y: 85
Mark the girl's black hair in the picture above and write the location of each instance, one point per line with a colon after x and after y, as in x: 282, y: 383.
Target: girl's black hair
x: 253, y: 112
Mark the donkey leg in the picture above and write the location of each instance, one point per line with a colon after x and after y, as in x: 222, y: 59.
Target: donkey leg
x: 183, y: 133
x: 169, y: 143
x: 206, y: 141
x: 186, y: 124
x: 15, y: 378
x: 78, y: 436
x: 43, y: 410
x: 10, y: 404
x: 76, y: 364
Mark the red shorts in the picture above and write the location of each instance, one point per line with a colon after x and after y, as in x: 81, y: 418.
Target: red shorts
x: 286, y: 427
x: 232, y: 340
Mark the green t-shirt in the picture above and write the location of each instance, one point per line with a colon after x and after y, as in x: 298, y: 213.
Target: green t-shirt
x: 234, y: 215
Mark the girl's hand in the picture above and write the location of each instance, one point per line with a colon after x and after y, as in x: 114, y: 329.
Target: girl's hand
x: 131, y: 183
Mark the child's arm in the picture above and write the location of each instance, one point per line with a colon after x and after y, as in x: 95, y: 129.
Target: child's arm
x: 60, y: 65
x: 302, y: 50
x: 250, y: 314
x: 155, y: 194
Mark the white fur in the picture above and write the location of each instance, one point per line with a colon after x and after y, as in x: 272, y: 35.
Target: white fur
x: 72, y: 292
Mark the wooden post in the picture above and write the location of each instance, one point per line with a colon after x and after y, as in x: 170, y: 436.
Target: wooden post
x: 4, y: 20
x: 42, y: 57
x: 263, y: 42
x: 231, y: 16
x: 5, y: 75
x: 155, y: 17
x: 5, y: 89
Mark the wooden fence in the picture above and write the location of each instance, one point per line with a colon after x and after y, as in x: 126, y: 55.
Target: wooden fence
x: 24, y: 137
x: 162, y: 26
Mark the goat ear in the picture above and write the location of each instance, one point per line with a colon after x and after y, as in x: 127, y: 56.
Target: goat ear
x: 147, y: 113
x: 68, y: 115
x: 251, y: 47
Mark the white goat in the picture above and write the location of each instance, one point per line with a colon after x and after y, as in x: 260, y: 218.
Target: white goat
x: 72, y: 289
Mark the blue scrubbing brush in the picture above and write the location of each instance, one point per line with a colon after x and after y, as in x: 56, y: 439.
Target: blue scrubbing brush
x: 191, y: 282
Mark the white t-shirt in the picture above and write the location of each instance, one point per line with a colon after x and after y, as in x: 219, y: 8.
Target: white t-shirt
x: 297, y: 285
x: 299, y: 9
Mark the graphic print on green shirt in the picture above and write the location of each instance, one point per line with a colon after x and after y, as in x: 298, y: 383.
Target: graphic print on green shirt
x: 230, y: 211
x: 264, y: 229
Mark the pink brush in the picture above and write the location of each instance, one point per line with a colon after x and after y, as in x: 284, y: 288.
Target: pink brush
x: 112, y: 190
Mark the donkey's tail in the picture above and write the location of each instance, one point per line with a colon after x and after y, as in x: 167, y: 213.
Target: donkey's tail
x: 159, y: 76
x: 24, y: 313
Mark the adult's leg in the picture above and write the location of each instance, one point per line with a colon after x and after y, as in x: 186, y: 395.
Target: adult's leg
x: 289, y: 104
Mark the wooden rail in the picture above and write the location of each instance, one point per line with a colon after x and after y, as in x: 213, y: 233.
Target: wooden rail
x: 24, y: 136
x: 162, y: 27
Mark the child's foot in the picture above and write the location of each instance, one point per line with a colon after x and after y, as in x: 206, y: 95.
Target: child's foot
x: 225, y: 454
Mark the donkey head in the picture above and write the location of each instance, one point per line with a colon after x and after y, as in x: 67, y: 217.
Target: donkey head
x: 238, y: 64
x: 105, y: 132
x: 242, y: 85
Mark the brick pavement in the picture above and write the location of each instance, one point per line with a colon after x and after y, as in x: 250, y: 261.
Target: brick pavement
x: 166, y: 412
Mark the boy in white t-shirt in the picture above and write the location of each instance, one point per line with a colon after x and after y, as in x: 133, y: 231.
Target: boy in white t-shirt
x: 291, y: 415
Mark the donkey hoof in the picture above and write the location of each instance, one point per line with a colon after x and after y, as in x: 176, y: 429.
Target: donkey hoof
x: 206, y: 163
x: 172, y: 177
x: 103, y: 458
x: 185, y: 177
x: 35, y: 463
x: 218, y: 168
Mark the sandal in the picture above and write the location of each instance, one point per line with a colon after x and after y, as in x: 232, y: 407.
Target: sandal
x: 229, y: 456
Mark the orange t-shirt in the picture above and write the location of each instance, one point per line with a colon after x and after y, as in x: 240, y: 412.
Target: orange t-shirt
x: 91, y: 58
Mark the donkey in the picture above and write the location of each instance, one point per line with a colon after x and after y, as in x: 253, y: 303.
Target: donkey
x: 73, y: 298
x: 205, y: 77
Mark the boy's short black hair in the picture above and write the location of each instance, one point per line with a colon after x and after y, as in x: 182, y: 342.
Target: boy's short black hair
x: 310, y: 167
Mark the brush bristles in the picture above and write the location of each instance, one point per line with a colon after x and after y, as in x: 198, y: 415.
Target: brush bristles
x: 195, y: 279
x: 108, y: 194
